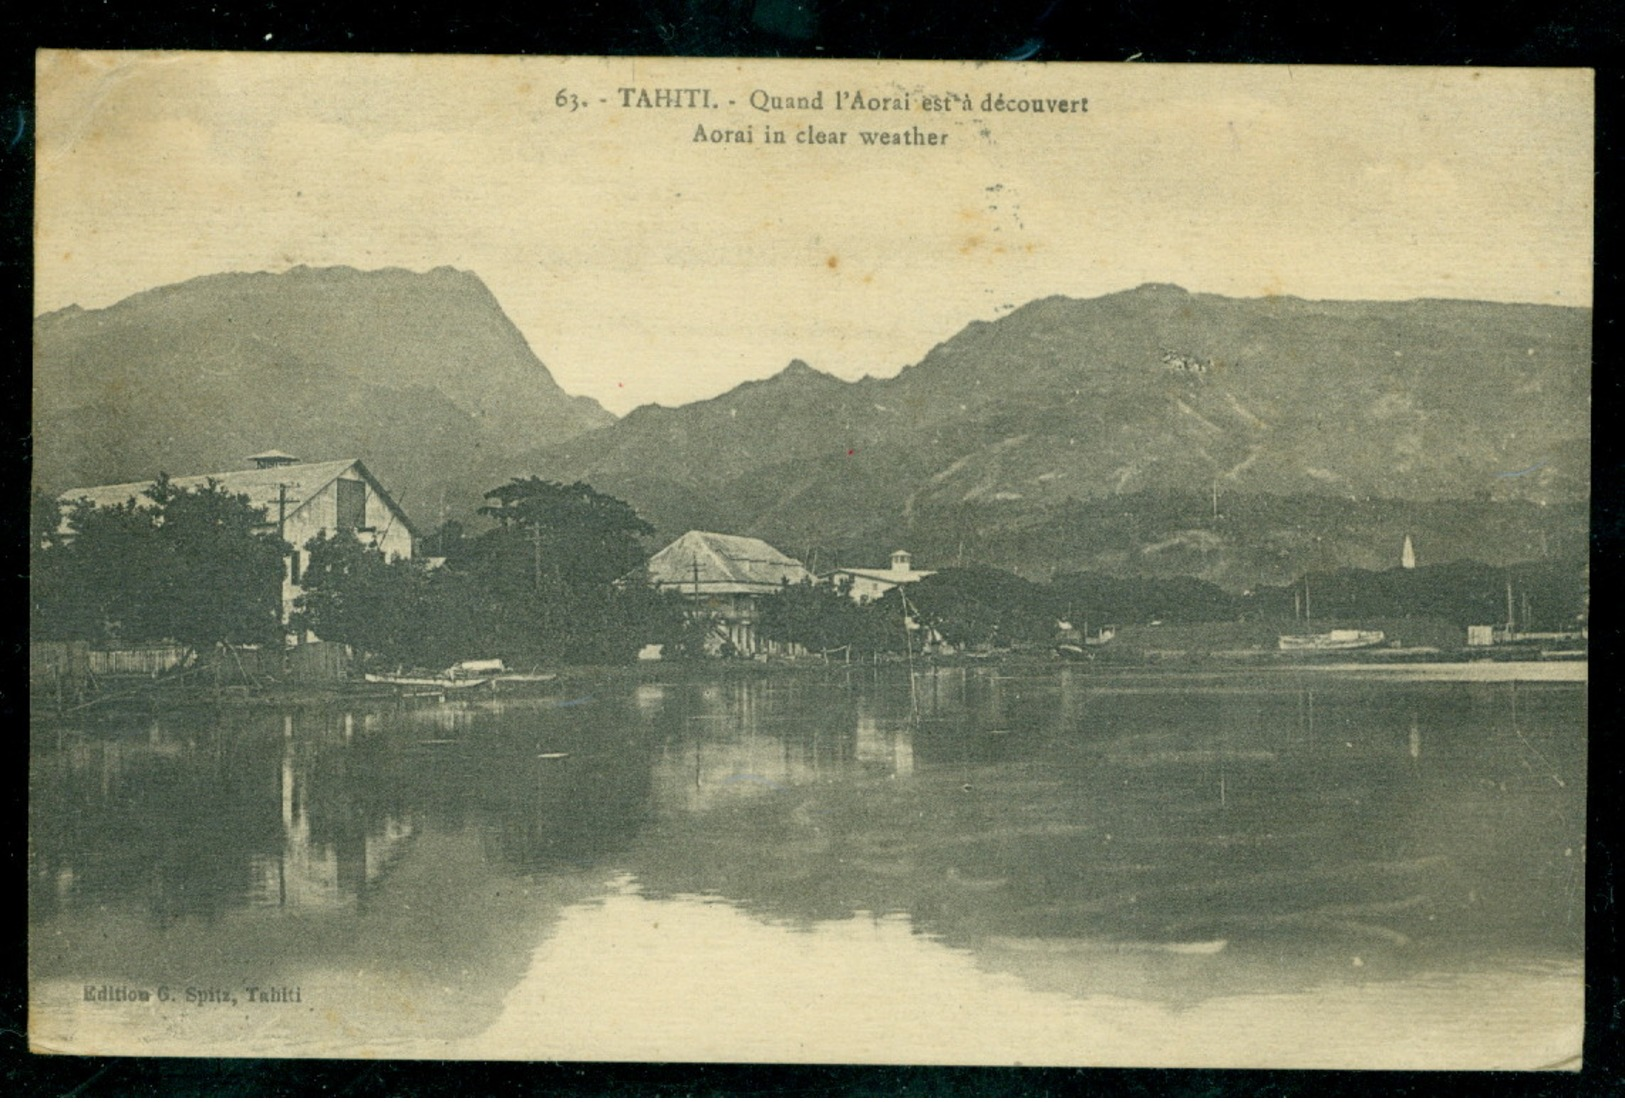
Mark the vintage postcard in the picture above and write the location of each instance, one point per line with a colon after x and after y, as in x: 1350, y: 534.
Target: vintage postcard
x: 742, y: 560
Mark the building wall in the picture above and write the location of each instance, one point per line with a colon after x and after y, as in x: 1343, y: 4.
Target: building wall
x: 319, y: 516
x: 863, y: 588
x: 868, y: 589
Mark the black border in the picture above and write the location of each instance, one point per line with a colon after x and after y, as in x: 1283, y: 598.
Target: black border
x: 1584, y: 33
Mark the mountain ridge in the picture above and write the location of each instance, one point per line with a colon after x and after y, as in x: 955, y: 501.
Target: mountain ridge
x: 1000, y: 439
x: 1152, y: 390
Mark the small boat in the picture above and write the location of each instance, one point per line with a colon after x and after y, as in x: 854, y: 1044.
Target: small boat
x: 1071, y: 652
x: 440, y: 683
x: 494, y: 671
x: 1339, y: 639
x: 477, y: 668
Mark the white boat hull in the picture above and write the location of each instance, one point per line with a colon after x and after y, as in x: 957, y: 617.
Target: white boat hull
x: 1340, y: 639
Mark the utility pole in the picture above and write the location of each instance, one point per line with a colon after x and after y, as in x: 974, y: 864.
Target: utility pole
x: 536, y: 540
x: 908, y: 643
x: 282, y: 537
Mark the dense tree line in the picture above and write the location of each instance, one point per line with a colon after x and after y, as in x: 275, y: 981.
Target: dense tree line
x: 980, y: 607
x: 556, y: 579
x: 1548, y: 595
x: 198, y: 566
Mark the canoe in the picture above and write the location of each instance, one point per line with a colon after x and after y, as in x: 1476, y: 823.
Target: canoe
x: 442, y: 683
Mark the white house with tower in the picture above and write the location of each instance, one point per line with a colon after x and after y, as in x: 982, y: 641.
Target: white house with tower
x: 869, y: 583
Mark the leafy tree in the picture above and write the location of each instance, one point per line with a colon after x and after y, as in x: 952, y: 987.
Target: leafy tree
x: 981, y: 606
x: 354, y: 594
x: 825, y: 618
x: 667, y: 621
x: 223, y: 581
x: 535, y: 589
x: 564, y: 535
x: 818, y: 617
x: 199, y: 566
x: 82, y: 586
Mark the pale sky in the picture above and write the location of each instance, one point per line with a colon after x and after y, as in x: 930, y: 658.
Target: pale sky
x: 643, y: 266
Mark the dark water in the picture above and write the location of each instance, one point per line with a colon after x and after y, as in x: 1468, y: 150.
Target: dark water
x: 1062, y: 866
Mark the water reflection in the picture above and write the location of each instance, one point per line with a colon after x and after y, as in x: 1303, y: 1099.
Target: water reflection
x: 1161, y: 837
x: 1288, y: 819
x: 197, y: 813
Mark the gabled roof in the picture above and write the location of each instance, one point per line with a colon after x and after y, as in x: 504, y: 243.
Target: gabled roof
x: 710, y: 562
x: 264, y: 487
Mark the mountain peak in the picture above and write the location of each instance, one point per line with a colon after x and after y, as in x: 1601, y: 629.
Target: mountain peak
x: 800, y: 369
x: 448, y: 378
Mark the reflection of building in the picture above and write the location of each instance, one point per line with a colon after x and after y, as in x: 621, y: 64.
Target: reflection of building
x: 724, y: 577
x: 333, y: 850
x: 889, y: 745
x: 300, y: 501
x: 869, y: 584
x: 735, y: 742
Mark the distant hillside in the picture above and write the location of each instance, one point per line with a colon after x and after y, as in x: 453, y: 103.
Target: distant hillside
x: 422, y: 375
x: 1007, y: 436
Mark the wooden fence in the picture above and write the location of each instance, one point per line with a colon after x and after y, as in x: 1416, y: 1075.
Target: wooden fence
x: 69, y: 673
x: 150, y: 661
x: 318, y: 663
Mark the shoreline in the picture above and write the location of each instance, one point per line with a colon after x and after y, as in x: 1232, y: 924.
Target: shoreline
x: 1406, y: 665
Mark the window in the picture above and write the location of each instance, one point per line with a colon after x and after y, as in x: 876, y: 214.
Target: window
x: 352, y: 504
x: 293, y: 568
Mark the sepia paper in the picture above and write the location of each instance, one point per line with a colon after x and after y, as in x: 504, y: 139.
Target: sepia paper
x: 982, y: 854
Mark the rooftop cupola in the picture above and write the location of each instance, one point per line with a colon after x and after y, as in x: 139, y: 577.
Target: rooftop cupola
x: 266, y: 460
x: 899, y: 560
